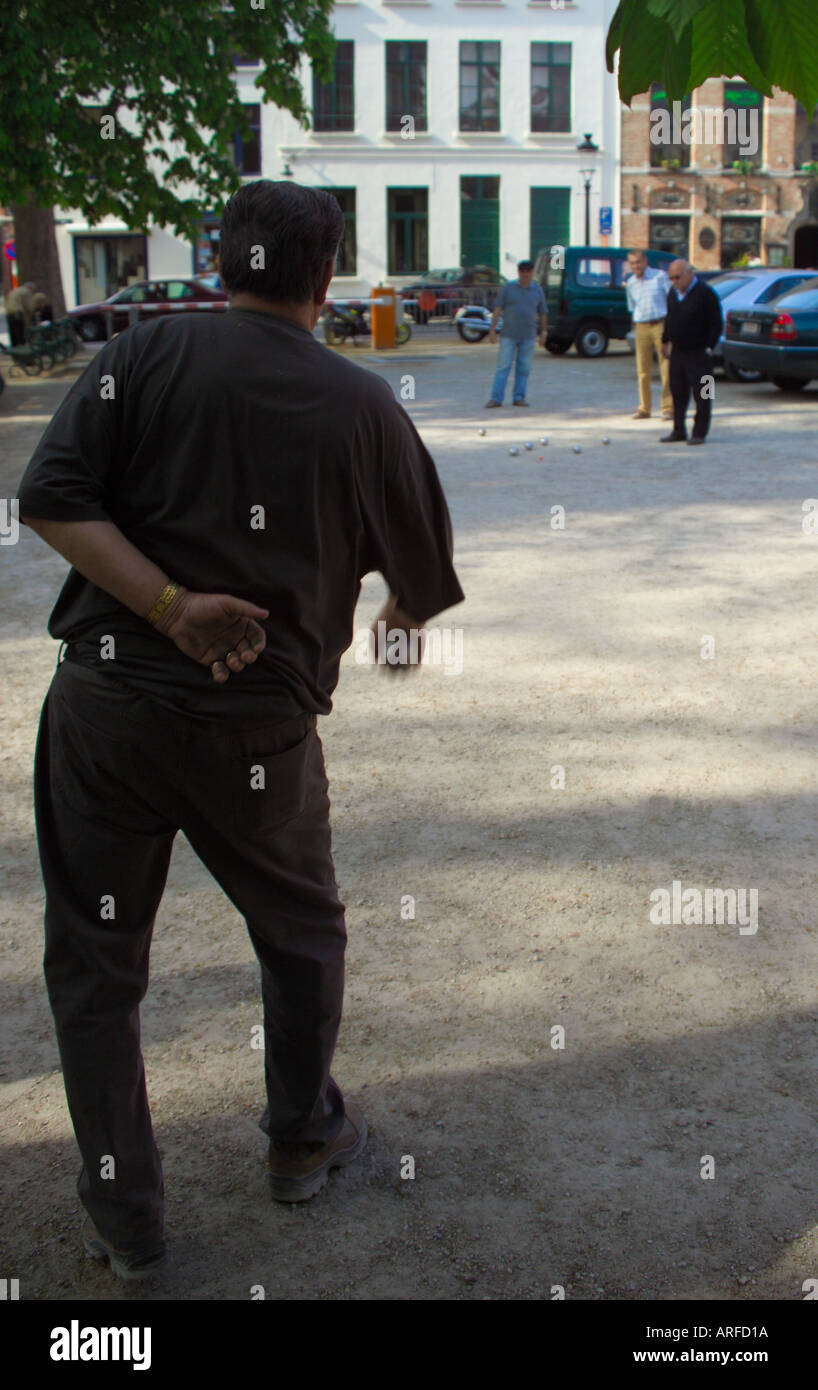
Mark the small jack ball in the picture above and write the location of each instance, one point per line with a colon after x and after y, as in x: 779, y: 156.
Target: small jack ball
x: 529, y: 446
x: 577, y: 449
x: 481, y: 431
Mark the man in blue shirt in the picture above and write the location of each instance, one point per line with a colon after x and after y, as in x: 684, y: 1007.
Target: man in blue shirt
x: 522, y: 305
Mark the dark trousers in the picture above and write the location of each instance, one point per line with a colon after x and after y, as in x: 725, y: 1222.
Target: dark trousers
x: 17, y: 329
x: 116, y: 776
x: 687, y: 367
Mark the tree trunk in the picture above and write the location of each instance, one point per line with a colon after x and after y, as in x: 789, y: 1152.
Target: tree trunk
x: 36, y: 246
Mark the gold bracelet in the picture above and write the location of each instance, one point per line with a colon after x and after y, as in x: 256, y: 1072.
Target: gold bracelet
x: 163, y: 602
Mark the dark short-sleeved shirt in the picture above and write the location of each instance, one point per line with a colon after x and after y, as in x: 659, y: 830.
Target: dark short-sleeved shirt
x: 520, y: 305
x: 219, y: 423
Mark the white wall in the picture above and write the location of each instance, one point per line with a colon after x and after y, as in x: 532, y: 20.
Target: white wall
x: 371, y: 160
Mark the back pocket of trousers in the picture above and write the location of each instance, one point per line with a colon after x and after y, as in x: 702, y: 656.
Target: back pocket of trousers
x: 268, y: 790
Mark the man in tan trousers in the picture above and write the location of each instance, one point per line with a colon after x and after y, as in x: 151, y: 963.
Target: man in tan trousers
x: 647, y: 290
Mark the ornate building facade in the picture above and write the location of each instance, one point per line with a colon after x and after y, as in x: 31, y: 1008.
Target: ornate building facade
x: 725, y: 176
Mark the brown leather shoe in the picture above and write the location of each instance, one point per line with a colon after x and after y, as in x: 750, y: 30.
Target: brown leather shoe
x: 295, y: 1174
x: 641, y: 414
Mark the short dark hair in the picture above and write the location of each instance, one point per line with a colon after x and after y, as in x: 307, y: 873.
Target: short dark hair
x: 298, y: 229
x: 525, y: 265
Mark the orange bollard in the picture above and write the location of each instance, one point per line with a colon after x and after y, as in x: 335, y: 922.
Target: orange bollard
x: 383, y: 316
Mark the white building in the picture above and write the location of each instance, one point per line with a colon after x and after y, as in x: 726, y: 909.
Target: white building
x: 449, y: 135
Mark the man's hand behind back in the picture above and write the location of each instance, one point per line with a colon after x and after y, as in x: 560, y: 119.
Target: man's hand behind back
x: 216, y: 630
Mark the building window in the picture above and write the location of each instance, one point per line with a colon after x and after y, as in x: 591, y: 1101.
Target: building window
x: 333, y: 102
x: 405, y: 85
x: 670, y: 234
x: 479, y: 86
x: 776, y: 253
x: 241, y: 60
x: 247, y: 148
x: 104, y: 264
x: 740, y: 240
x: 346, y: 260
x: 550, y: 86
x: 667, y: 149
x: 408, y: 229
x: 742, y: 124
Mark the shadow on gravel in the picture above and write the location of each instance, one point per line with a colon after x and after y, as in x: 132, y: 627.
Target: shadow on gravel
x: 498, y: 1207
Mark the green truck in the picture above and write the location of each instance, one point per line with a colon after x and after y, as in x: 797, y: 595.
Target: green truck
x: 584, y: 289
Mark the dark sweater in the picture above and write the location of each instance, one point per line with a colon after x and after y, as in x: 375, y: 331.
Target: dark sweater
x: 695, y: 321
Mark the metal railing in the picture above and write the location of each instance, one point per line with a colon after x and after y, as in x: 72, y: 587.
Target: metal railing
x: 448, y: 302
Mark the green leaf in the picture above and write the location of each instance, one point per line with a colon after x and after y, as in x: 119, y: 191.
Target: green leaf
x: 676, y: 13
x: 644, y: 45
x: 676, y: 67
x: 615, y: 32
x: 783, y: 41
x: 720, y: 46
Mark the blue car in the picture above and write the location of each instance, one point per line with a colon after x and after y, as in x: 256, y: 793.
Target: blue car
x: 751, y: 289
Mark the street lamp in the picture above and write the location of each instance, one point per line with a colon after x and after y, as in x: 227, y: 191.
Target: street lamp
x: 587, y: 148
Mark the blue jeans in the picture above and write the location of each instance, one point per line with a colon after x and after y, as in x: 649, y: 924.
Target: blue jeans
x: 525, y: 356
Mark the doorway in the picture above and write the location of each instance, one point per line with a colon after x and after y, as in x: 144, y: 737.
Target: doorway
x: 550, y: 219
x: 480, y: 221
x: 805, y: 247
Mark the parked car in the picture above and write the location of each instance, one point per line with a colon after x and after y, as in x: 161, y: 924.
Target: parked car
x: 587, y: 305
x: 443, y: 291
x: 710, y: 275
x: 741, y: 289
x: 149, y: 297
x: 780, y: 339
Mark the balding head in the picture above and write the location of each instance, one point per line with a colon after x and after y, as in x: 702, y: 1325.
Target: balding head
x: 681, y: 273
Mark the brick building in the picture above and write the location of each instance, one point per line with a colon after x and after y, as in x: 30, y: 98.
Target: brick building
x: 721, y: 176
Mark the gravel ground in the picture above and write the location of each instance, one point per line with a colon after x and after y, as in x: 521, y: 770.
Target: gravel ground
x: 536, y: 1165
